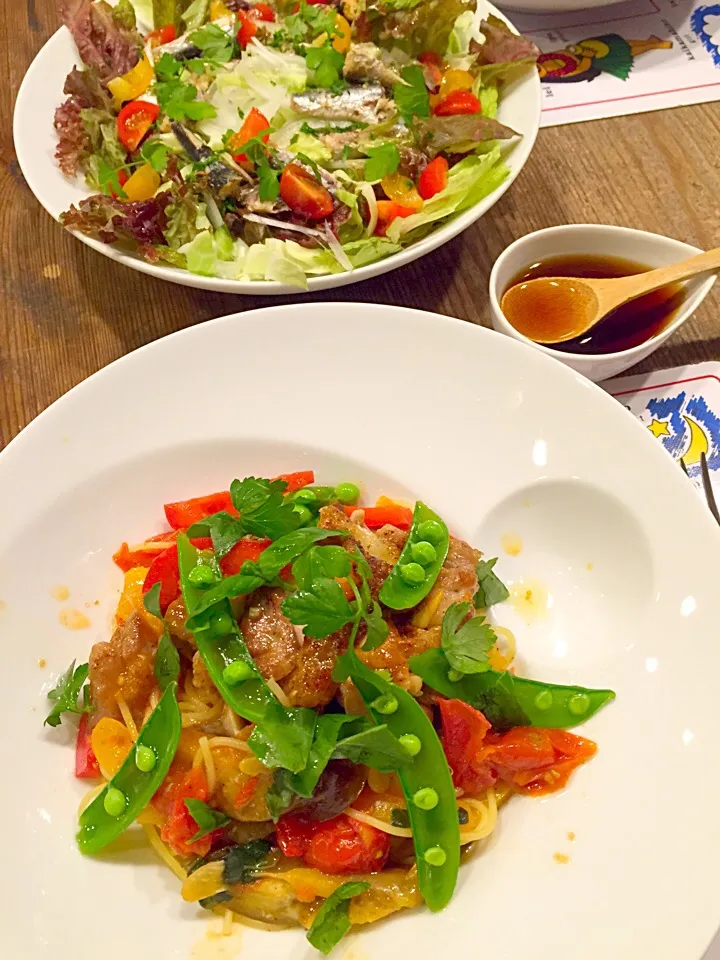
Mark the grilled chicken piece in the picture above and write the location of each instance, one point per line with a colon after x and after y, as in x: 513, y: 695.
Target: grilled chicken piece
x: 123, y: 666
x: 271, y: 638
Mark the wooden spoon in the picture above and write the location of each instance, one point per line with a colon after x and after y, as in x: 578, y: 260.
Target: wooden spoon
x: 555, y: 309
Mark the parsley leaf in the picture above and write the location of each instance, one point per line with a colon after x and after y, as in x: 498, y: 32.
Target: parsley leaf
x: 293, y: 546
x: 108, y: 178
x: 155, y: 153
x: 263, y: 507
x: 205, y: 817
x: 167, y: 658
x: 179, y: 100
x: 243, y: 862
x: 167, y: 67
x: 322, y: 610
x: 196, y: 66
x: 466, y: 647
x: 332, y: 920
x: 321, y: 562
x: 284, y: 736
x: 326, y: 64
x: 224, y: 530
x: 490, y: 589
x: 269, y: 179
x: 65, y: 694
x: 375, y: 747
x: 214, y: 44
x: 383, y: 160
x: 412, y: 97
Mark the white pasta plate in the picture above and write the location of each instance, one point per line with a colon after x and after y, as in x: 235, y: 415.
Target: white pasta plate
x: 36, y: 141
x: 511, y: 448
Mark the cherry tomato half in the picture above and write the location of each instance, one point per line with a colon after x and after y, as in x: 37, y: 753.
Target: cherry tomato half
x: 162, y: 35
x: 456, y: 103
x: 253, y: 124
x: 304, y: 194
x: 434, y: 178
x: 134, y: 121
x: 247, y: 28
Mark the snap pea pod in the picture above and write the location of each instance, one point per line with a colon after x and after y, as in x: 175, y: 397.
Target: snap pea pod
x: 220, y: 642
x: 140, y: 776
x: 510, y: 701
x: 422, y: 557
x: 426, y: 782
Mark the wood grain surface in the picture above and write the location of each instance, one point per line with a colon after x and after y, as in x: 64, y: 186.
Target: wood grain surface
x: 67, y: 311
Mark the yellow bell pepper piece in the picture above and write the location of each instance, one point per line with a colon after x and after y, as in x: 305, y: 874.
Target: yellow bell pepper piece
x: 341, y: 41
x: 455, y: 80
x: 218, y: 9
x: 402, y: 190
x: 143, y: 183
x: 131, y: 84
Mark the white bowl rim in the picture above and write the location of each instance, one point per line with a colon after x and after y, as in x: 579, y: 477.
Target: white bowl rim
x: 629, y: 232
x: 520, y: 149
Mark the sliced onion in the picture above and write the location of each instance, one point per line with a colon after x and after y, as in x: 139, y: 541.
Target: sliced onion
x: 283, y: 225
x: 337, y: 250
x: 367, y: 191
x: 213, y: 211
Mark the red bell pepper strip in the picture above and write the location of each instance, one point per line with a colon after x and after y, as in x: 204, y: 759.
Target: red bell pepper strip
x: 389, y: 210
x: 340, y: 845
x: 434, y: 178
x: 376, y: 517
x: 165, y: 570
x: 298, y: 480
x: 456, y: 103
x: 134, y: 121
x: 86, y: 765
x: 247, y: 29
x: 179, y: 827
x: 231, y: 563
x: 162, y: 35
x: 126, y: 558
x: 184, y: 513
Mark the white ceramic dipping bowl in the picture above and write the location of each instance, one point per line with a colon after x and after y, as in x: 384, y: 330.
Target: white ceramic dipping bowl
x: 599, y: 240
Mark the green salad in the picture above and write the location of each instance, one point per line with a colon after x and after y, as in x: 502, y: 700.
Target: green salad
x: 282, y: 140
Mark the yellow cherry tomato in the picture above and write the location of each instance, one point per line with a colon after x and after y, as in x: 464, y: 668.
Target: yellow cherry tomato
x: 131, y: 84
x: 218, y: 9
x: 341, y: 41
x: 143, y: 183
x: 402, y: 190
x: 453, y: 80
x: 111, y: 743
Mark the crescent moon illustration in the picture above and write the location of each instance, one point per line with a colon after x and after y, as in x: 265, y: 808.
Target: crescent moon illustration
x: 698, y: 442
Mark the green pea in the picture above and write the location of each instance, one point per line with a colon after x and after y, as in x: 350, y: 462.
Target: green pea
x: 426, y: 799
x: 236, y: 672
x: 411, y: 743
x: 579, y: 704
x: 544, y: 700
x: 423, y: 552
x: 411, y: 573
x: 347, y: 493
x: 435, y: 856
x: 303, y: 513
x: 305, y: 496
x: 202, y: 577
x: 114, y: 802
x: 431, y: 530
x: 145, y: 758
x: 386, y: 704
x: 220, y: 623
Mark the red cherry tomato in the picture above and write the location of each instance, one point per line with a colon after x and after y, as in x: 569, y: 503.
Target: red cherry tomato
x: 304, y: 194
x: 134, y: 121
x: 162, y: 35
x: 247, y: 29
x: 179, y: 827
x: 262, y: 11
x: 463, y: 734
x: 340, y: 845
x: 434, y: 178
x: 430, y: 58
x: 253, y: 125
x: 456, y: 103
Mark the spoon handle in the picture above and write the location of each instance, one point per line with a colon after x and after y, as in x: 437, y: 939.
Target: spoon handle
x: 674, y: 272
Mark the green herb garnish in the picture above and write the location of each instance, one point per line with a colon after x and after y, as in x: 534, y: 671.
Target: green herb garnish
x: 65, y: 694
x: 205, y: 817
x: 466, y: 645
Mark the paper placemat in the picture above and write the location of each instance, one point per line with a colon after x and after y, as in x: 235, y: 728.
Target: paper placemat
x: 627, y: 58
x: 681, y: 408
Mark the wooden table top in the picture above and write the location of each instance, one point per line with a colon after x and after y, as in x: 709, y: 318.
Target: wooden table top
x: 67, y: 311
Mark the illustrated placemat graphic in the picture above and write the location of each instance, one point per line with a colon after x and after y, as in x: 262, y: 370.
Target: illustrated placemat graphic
x: 681, y: 409
x: 626, y: 58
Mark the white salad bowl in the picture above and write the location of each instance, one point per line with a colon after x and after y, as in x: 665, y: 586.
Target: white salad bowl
x: 500, y: 440
x: 35, y: 141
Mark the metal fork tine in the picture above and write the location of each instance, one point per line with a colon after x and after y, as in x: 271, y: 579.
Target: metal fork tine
x: 707, y: 487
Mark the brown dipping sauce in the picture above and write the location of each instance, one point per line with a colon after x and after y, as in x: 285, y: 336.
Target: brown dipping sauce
x: 628, y: 326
